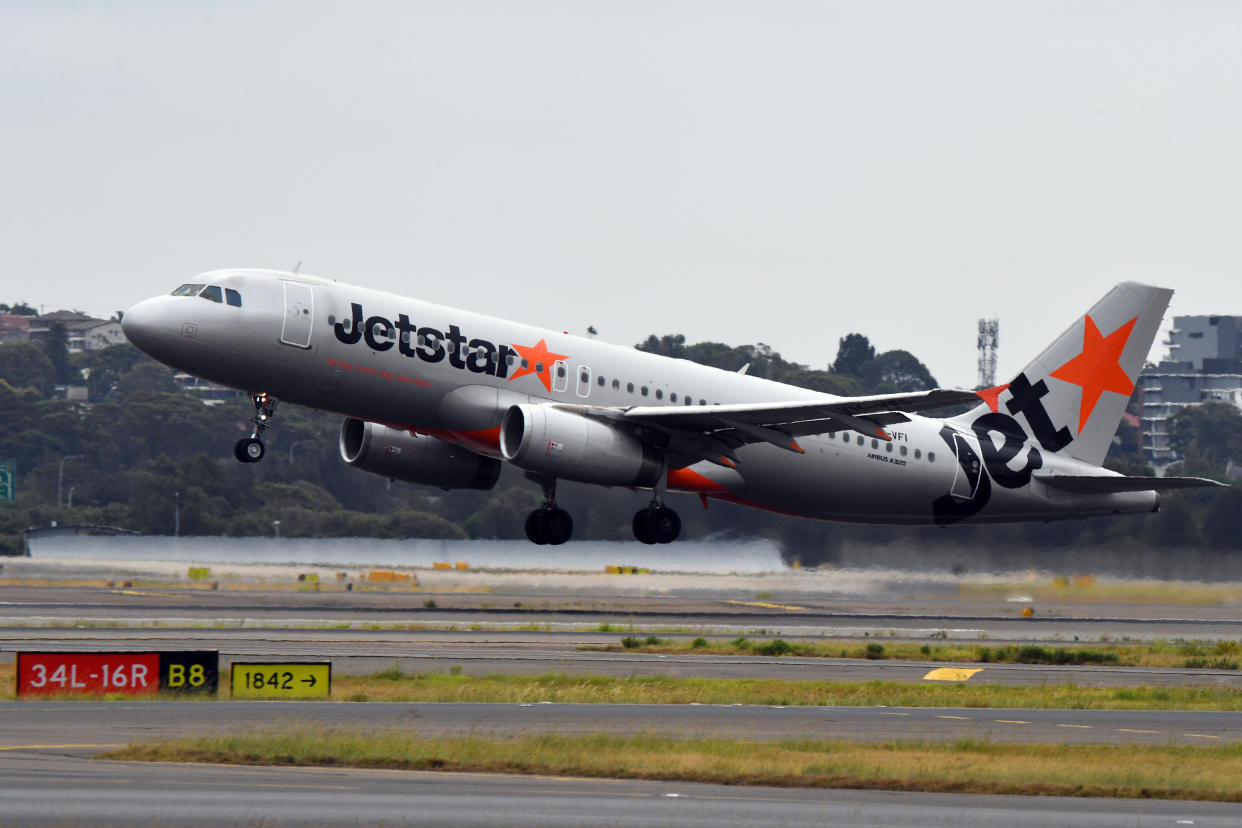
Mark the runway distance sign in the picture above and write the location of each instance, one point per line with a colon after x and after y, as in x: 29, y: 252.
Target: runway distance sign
x: 288, y: 680
x: 118, y: 673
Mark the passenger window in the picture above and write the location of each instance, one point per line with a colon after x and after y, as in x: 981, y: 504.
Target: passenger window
x: 644, y: 392
x: 616, y: 385
x: 689, y: 401
x: 846, y: 436
x: 629, y: 386
x: 904, y: 451
x: 213, y: 293
x: 918, y: 454
x: 659, y: 394
x: 875, y: 444
x: 672, y: 397
x: 931, y: 457
x: 702, y: 401
x: 860, y: 439
x: 187, y: 290
x: 526, y: 363
x: 538, y: 367
x: 888, y: 447
x: 233, y: 297
x: 601, y: 381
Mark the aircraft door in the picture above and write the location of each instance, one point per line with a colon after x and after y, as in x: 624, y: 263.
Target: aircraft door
x: 299, y: 311
x: 969, y: 470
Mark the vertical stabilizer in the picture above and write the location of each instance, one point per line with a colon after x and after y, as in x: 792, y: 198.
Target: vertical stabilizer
x: 1071, y: 397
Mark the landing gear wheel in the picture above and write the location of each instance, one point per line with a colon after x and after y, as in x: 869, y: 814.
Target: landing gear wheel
x: 549, y: 526
x: 536, y: 530
x: 667, y: 525
x: 558, y: 526
x: 656, y: 524
x: 249, y: 450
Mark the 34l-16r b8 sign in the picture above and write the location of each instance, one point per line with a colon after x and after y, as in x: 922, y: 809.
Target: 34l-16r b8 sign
x: 124, y: 673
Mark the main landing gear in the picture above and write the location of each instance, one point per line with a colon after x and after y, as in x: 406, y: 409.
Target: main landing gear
x: 549, y: 524
x: 552, y: 525
x: 251, y: 449
x: 656, y: 524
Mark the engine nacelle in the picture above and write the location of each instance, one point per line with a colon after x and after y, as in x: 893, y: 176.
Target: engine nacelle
x: 562, y: 444
x: 400, y: 455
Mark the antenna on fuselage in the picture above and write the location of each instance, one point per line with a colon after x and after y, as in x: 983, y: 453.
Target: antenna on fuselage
x: 297, y: 267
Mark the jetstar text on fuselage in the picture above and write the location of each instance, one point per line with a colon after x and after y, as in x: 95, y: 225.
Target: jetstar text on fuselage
x: 432, y: 344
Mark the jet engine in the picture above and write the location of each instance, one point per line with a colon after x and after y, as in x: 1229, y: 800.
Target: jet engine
x: 559, y: 443
x: 400, y: 455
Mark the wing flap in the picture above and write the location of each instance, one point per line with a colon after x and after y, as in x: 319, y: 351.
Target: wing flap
x: 826, y: 412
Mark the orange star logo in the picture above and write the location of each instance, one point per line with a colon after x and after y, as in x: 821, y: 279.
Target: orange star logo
x: 1098, y: 368
x: 539, y: 361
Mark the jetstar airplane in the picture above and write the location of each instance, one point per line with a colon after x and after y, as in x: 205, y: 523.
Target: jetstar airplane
x: 440, y: 397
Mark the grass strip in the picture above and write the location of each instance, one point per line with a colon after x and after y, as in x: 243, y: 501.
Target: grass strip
x: 1217, y: 655
x: 393, y: 685
x: 968, y: 766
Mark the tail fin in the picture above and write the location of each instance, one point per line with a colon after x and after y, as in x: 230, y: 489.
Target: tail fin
x: 1072, y: 395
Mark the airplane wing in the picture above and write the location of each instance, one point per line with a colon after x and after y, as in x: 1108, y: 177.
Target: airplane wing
x: 1090, y: 484
x: 714, y: 432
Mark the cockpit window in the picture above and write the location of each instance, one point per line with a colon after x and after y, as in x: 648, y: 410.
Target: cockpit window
x: 233, y: 297
x: 187, y: 290
x: 213, y: 293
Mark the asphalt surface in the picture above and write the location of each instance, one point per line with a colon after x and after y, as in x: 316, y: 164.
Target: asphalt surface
x: 531, y: 652
x: 911, y: 618
x: 51, y: 786
x: 47, y: 777
x: 65, y: 723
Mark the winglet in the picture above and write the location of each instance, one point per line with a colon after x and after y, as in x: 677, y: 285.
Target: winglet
x: 991, y: 396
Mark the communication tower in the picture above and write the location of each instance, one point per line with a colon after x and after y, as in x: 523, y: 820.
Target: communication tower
x: 988, y: 329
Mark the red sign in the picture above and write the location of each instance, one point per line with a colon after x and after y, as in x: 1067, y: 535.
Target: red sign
x: 53, y: 674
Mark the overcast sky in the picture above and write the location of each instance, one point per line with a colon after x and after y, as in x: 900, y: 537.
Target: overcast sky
x: 743, y: 172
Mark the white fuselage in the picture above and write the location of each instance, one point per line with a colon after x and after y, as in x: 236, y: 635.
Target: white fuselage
x: 452, y: 374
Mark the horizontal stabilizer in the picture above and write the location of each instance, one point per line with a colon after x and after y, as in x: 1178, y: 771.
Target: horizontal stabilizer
x: 1091, y: 484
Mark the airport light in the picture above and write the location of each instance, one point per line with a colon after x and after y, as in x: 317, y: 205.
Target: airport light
x: 276, y: 525
x: 60, y: 473
x: 177, y: 515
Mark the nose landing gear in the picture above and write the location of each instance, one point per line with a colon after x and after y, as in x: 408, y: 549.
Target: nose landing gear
x: 549, y: 524
x: 251, y: 449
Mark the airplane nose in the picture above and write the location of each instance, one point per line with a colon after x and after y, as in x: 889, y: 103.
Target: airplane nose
x: 144, y: 322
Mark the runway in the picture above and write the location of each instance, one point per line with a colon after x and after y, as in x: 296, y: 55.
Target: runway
x: 46, y: 745
x: 534, y: 652
x: 63, y: 723
x: 60, y: 786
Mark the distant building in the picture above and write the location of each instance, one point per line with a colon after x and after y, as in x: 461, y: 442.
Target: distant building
x: 14, y: 328
x: 208, y: 392
x: 82, y: 332
x: 1203, y: 364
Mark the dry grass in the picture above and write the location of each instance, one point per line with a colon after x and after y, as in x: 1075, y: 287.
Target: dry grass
x: 966, y: 766
x: 1088, y: 589
x: 392, y: 685
x: 1222, y: 655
